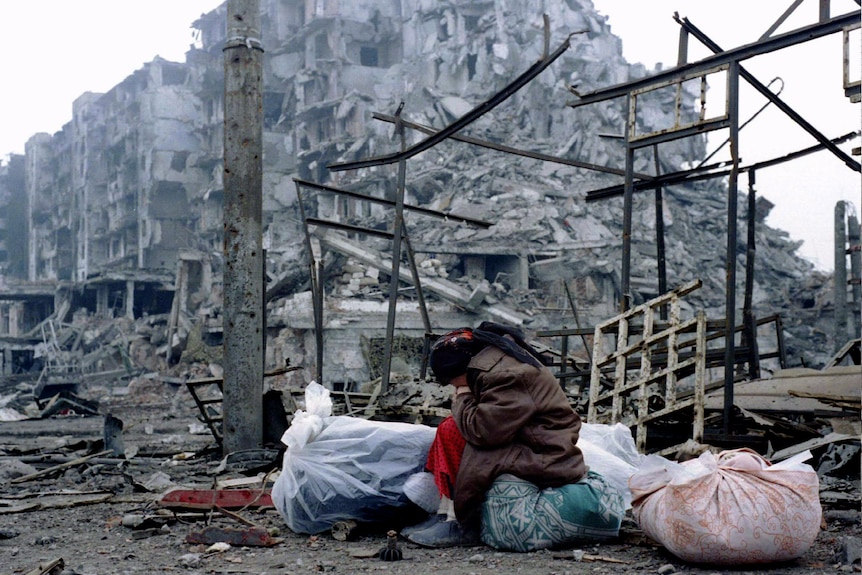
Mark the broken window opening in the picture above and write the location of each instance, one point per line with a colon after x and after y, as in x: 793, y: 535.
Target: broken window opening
x: 504, y: 271
x: 408, y: 349
x: 322, y: 50
x: 368, y: 56
x: 322, y: 172
x: 168, y: 201
x: 471, y: 65
x: 116, y: 249
x: 174, y: 75
x: 272, y: 105
x: 178, y: 161
x: 443, y: 30
x: 23, y: 361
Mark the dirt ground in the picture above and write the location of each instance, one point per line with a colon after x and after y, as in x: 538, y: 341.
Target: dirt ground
x: 91, y: 539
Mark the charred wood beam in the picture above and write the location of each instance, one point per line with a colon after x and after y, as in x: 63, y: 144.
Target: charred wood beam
x: 461, y: 122
x: 712, y: 325
x: 510, y: 150
x: 779, y: 103
x: 316, y: 280
x: 391, y: 203
x: 350, y: 228
x: 706, y: 173
x: 798, y: 36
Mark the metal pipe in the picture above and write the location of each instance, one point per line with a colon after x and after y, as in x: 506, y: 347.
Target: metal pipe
x: 730, y: 259
x: 840, y: 276
x: 385, y: 202
x: 854, y: 235
x: 314, y: 280
x: 659, y: 235
x: 703, y: 173
x: 397, y: 231
x: 750, y: 333
x: 745, y: 123
x: 625, y: 273
x: 577, y: 320
x: 798, y: 36
x: 420, y: 295
x: 512, y: 150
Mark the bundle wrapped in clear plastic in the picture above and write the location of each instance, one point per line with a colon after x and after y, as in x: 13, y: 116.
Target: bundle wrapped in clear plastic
x: 340, y: 467
x: 610, y: 450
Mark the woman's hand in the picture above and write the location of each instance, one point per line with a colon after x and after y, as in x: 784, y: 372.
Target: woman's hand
x: 460, y: 384
x: 460, y: 381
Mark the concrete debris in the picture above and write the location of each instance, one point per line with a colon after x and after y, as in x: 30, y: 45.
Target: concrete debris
x: 190, y: 560
x: 849, y: 551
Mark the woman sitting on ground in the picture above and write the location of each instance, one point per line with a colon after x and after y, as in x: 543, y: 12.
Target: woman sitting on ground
x: 509, y: 416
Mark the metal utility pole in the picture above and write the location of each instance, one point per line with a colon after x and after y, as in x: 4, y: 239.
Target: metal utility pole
x: 242, y: 407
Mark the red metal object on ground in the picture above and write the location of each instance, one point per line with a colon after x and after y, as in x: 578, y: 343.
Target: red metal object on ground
x: 248, y: 537
x: 211, y: 498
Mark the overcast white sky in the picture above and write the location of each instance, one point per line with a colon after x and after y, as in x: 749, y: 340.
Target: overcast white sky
x: 58, y: 49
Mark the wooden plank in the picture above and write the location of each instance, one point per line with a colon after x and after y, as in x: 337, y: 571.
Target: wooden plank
x: 48, y: 567
x: 18, y: 508
x: 58, y: 502
x: 812, y: 444
x: 62, y: 466
x: 774, y: 394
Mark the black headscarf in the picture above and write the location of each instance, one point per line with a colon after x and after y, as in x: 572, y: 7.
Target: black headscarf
x: 452, y: 352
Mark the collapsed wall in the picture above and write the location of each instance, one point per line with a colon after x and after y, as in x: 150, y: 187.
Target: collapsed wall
x: 129, y: 192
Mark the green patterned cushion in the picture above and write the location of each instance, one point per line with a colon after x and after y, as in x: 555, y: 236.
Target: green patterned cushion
x: 518, y: 516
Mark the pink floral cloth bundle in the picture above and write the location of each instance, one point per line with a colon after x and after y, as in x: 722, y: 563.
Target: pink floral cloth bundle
x: 732, y: 508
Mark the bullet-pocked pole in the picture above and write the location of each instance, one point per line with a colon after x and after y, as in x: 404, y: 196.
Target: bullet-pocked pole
x: 242, y: 407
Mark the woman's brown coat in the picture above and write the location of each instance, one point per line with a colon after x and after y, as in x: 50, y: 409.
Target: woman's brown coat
x: 516, y: 420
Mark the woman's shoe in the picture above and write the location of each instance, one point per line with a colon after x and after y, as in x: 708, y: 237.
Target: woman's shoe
x: 432, y: 520
x: 446, y: 534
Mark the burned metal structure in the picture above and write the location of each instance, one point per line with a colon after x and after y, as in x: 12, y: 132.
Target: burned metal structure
x: 729, y: 63
x: 740, y: 341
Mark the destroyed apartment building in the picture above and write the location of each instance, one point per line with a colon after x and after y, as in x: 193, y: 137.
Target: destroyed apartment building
x: 112, y: 227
